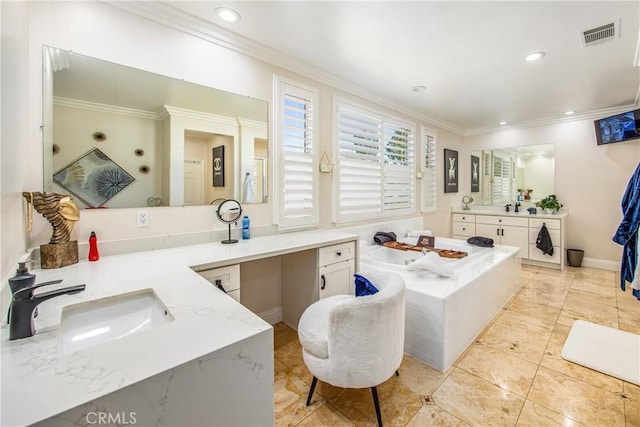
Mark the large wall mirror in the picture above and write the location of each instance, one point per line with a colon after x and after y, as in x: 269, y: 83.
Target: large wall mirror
x: 119, y: 137
x: 502, y: 174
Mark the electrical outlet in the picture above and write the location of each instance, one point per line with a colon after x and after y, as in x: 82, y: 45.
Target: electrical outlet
x: 143, y: 218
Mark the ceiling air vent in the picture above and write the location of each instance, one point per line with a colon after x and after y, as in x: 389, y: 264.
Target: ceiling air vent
x: 600, y: 34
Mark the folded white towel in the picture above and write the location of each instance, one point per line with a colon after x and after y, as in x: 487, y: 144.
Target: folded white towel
x: 431, y: 261
x: 418, y: 233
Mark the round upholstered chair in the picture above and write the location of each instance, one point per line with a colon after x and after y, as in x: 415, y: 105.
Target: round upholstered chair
x: 356, y: 342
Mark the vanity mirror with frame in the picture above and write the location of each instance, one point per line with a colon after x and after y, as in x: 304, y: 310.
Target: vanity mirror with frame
x: 505, y: 172
x: 162, y: 132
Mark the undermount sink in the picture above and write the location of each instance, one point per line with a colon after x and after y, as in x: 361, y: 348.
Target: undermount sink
x: 107, y: 319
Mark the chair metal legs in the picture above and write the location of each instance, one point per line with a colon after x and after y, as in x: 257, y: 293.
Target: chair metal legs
x: 374, y: 392
x: 313, y: 387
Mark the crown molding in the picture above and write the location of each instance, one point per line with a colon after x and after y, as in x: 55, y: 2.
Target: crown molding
x: 168, y: 110
x: 589, y: 115
x: 103, y: 108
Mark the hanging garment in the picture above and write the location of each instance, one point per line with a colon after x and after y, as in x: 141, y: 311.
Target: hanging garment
x: 627, y: 232
x: 247, y: 189
x: 543, y: 242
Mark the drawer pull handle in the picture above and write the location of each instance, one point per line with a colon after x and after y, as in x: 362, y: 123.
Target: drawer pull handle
x: 497, y: 231
x: 324, y: 282
x: 502, y: 232
x: 339, y: 253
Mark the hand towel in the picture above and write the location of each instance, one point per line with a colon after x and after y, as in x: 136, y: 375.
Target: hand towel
x: 384, y: 237
x: 543, y: 242
x: 431, y: 261
x: 484, y: 242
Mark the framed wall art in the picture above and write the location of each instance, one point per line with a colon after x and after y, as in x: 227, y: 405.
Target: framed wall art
x: 450, y: 171
x: 93, y: 178
x: 475, y: 174
x: 218, y: 166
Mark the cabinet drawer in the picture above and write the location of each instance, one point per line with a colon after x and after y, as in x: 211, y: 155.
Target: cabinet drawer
x: 537, y: 255
x: 554, y: 234
x: 336, y: 253
x: 502, y: 220
x: 464, y: 229
x: 552, y: 224
x: 464, y: 218
x: 235, y: 294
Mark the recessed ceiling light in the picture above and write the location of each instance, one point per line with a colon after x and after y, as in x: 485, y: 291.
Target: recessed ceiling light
x: 534, y: 56
x: 504, y: 122
x: 570, y: 112
x: 227, y: 15
x: 418, y: 89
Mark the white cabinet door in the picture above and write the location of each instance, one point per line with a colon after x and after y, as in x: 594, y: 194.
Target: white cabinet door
x: 506, y: 235
x: 337, y: 278
x: 516, y: 236
x: 491, y: 231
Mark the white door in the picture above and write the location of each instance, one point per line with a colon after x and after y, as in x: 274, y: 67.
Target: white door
x: 337, y: 279
x: 516, y: 236
x: 193, y: 182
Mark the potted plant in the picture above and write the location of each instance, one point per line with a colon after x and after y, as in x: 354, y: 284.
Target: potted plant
x: 550, y: 204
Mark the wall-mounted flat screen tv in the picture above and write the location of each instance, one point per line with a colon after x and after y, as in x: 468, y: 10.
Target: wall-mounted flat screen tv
x: 618, y: 128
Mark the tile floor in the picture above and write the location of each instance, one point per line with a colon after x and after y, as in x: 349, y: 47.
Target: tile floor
x: 512, y: 375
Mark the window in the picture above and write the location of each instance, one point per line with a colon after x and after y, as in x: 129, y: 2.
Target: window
x: 429, y: 170
x: 296, y: 153
x: 375, y: 165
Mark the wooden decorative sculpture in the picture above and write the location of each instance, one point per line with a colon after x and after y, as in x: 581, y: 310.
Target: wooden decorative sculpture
x: 61, y: 212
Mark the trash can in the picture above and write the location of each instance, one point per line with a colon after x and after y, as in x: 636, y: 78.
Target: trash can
x: 574, y: 257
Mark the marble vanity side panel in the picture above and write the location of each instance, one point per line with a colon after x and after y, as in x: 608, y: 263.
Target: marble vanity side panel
x: 214, y: 390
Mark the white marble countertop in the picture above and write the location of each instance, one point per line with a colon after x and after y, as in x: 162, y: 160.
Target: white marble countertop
x: 523, y: 213
x: 38, y: 381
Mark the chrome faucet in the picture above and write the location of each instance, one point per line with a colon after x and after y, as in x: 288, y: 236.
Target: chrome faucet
x: 24, y: 303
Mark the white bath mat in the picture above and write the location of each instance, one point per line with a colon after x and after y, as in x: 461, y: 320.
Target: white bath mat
x: 608, y: 350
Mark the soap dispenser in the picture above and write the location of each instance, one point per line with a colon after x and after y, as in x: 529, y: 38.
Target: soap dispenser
x: 22, y: 279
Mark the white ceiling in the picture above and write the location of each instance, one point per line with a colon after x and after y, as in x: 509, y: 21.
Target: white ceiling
x: 469, y: 55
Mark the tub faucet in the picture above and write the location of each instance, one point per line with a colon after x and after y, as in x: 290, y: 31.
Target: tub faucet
x: 24, y: 303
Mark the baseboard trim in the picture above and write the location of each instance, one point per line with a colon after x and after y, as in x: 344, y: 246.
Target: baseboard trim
x: 603, y: 264
x: 272, y: 316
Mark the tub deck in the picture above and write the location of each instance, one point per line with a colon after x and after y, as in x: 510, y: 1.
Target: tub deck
x: 444, y: 315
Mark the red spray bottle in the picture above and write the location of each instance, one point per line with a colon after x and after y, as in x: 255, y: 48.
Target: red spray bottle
x: 93, y: 247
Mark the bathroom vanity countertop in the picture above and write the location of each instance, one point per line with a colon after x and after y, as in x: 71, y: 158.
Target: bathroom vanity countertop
x: 38, y: 381
x: 481, y: 211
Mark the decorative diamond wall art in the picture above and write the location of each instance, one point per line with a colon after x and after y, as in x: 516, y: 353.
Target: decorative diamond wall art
x: 94, y: 178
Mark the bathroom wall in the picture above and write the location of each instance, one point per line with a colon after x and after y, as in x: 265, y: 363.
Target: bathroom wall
x: 109, y: 33
x: 589, y: 180
x: 106, y: 32
x: 15, y: 151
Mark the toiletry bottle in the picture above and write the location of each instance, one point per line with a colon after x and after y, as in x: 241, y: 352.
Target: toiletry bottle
x: 22, y: 279
x: 245, y: 228
x: 93, y: 247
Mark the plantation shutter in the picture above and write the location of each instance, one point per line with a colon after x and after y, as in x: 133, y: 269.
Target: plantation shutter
x: 375, y: 165
x: 297, y: 152
x: 502, y: 180
x: 429, y: 174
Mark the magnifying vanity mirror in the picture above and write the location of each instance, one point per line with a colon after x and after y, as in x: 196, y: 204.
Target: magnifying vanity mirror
x: 119, y: 137
x: 525, y: 172
x: 229, y: 212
